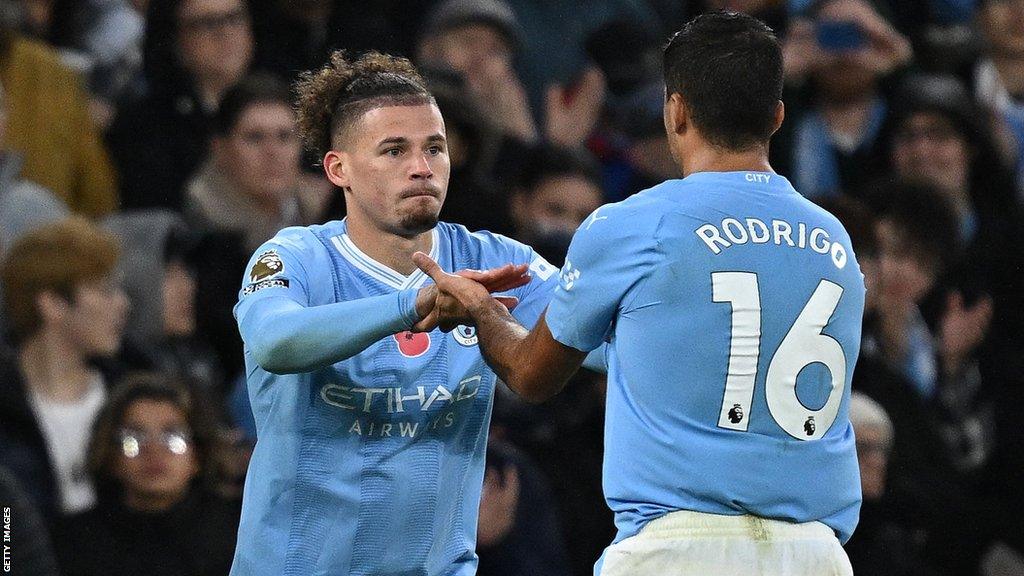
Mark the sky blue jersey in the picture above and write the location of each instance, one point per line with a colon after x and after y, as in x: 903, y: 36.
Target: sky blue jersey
x: 733, y: 310
x: 374, y: 464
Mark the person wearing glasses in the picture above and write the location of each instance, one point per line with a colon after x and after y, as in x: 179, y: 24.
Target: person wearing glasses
x: 155, y: 459
x: 194, y: 51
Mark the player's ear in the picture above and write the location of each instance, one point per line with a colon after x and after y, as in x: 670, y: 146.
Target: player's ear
x: 676, y: 114
x: 336, y: 168
x: 780, y: 115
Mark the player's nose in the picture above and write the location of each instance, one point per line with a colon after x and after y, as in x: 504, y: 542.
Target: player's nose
x: 421, y: 167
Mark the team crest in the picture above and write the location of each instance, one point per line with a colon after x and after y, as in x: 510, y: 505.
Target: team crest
x: 465, y: 335
x: 267, y: 264
x: 412, y: 344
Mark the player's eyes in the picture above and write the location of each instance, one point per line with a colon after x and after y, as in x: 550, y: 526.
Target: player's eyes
x: 435, y: 150
x: 395, y: 152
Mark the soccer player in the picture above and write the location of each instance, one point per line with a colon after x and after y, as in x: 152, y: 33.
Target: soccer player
x: 733, y: 310
x: 371, y: 423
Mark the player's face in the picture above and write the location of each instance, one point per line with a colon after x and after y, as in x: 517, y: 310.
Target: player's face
x: 215, y: 39
x: 261, y: 154
x: 928, y: 147
x: 157, y: 459
x: 394, y: 169
x: 1002, y: 22
x: 95, y: 317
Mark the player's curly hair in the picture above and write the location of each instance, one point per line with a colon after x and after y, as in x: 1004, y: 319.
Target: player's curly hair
x: 331, y: 98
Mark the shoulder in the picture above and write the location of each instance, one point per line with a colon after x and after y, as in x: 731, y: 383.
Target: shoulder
x: 482, y: 245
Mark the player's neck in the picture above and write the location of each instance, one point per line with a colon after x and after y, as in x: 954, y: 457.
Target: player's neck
x: 389, y: 249
x: 714, y: 159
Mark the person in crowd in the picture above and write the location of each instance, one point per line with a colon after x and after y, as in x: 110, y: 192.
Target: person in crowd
x: 556, y: 190
x: 48, y: 122
x: 882, y: 544
x: 194, y: 51
x: 480, y: 40
x: 836, y: 58
x: 158, y: 265
x: 999, y: 75
x: 64, y: 306
x: 937, y: 135
x: 251, y: 183
x: 519, y: 531
x: 154, y: 456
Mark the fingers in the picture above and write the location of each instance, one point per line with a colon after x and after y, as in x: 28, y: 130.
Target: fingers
x: 428, y: 266
x: 500, y: 279
x: 509, y: 302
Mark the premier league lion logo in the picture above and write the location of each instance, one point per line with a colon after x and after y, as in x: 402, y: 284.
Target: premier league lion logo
x: 267, y: 265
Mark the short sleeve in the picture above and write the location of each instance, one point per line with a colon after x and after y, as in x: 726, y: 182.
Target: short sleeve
x: 277, y: 268
x: 611, y: 252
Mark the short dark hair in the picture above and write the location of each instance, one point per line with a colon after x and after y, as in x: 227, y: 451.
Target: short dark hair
x: 257, y: 88
x: 332, y: 98
x: 728, y: 69
x: 546, y: 161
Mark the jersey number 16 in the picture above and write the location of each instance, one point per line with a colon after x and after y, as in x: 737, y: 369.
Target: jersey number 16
x: 803, y: 345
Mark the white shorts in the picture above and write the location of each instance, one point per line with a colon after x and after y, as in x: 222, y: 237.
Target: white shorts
x: 685, y: 543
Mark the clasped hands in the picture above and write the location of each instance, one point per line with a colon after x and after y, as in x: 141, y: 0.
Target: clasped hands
x: 455, y: 299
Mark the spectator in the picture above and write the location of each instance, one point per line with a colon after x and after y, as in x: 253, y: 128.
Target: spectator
x: 48, y: 122
x: 881, y: 544
x: 556, y: 191
x: 251, y: 183
x: 835, y: 62
x: 158, y: 264
x: 999, y: 74
x: 480, y: 39
x: 102, y: 39
x: 64, y: 307
x: 154, y: 456
x: 937, y: 135
x: 23, y: 204
x: 519, y: 531
x: 194, y: 51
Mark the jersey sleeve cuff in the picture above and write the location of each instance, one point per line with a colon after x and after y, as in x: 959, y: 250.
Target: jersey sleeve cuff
x: 407, y: 306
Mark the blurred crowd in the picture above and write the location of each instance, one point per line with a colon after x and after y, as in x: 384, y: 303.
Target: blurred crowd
x: 147, y: 147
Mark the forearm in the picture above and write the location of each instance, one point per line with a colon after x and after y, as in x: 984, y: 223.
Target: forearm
x: 517, y: 355
x: 286, y: 338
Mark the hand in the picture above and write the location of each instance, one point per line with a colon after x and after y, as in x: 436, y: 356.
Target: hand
x: 498, y: 501
x: 572, y: 111
x: 801, y: 54
x: 495, y: 87
x: 498, y: 279
x: 962, y: 329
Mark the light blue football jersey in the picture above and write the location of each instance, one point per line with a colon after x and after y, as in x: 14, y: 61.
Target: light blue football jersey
x: 373, y: 465
x: 733, y: 310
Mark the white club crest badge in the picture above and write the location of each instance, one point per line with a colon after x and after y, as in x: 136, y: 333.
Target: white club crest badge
x: 465, y: 335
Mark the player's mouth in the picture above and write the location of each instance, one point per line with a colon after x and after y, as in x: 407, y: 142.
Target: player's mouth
x: 420, y: 192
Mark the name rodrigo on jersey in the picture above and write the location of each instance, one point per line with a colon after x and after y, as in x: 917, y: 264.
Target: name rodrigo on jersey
x: 732, y: 231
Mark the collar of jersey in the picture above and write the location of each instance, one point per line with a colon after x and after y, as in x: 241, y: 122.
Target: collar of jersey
x: 384, y: 274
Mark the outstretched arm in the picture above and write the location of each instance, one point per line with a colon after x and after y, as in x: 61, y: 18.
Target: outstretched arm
x: 286, y: 337
x: 532, y: 363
